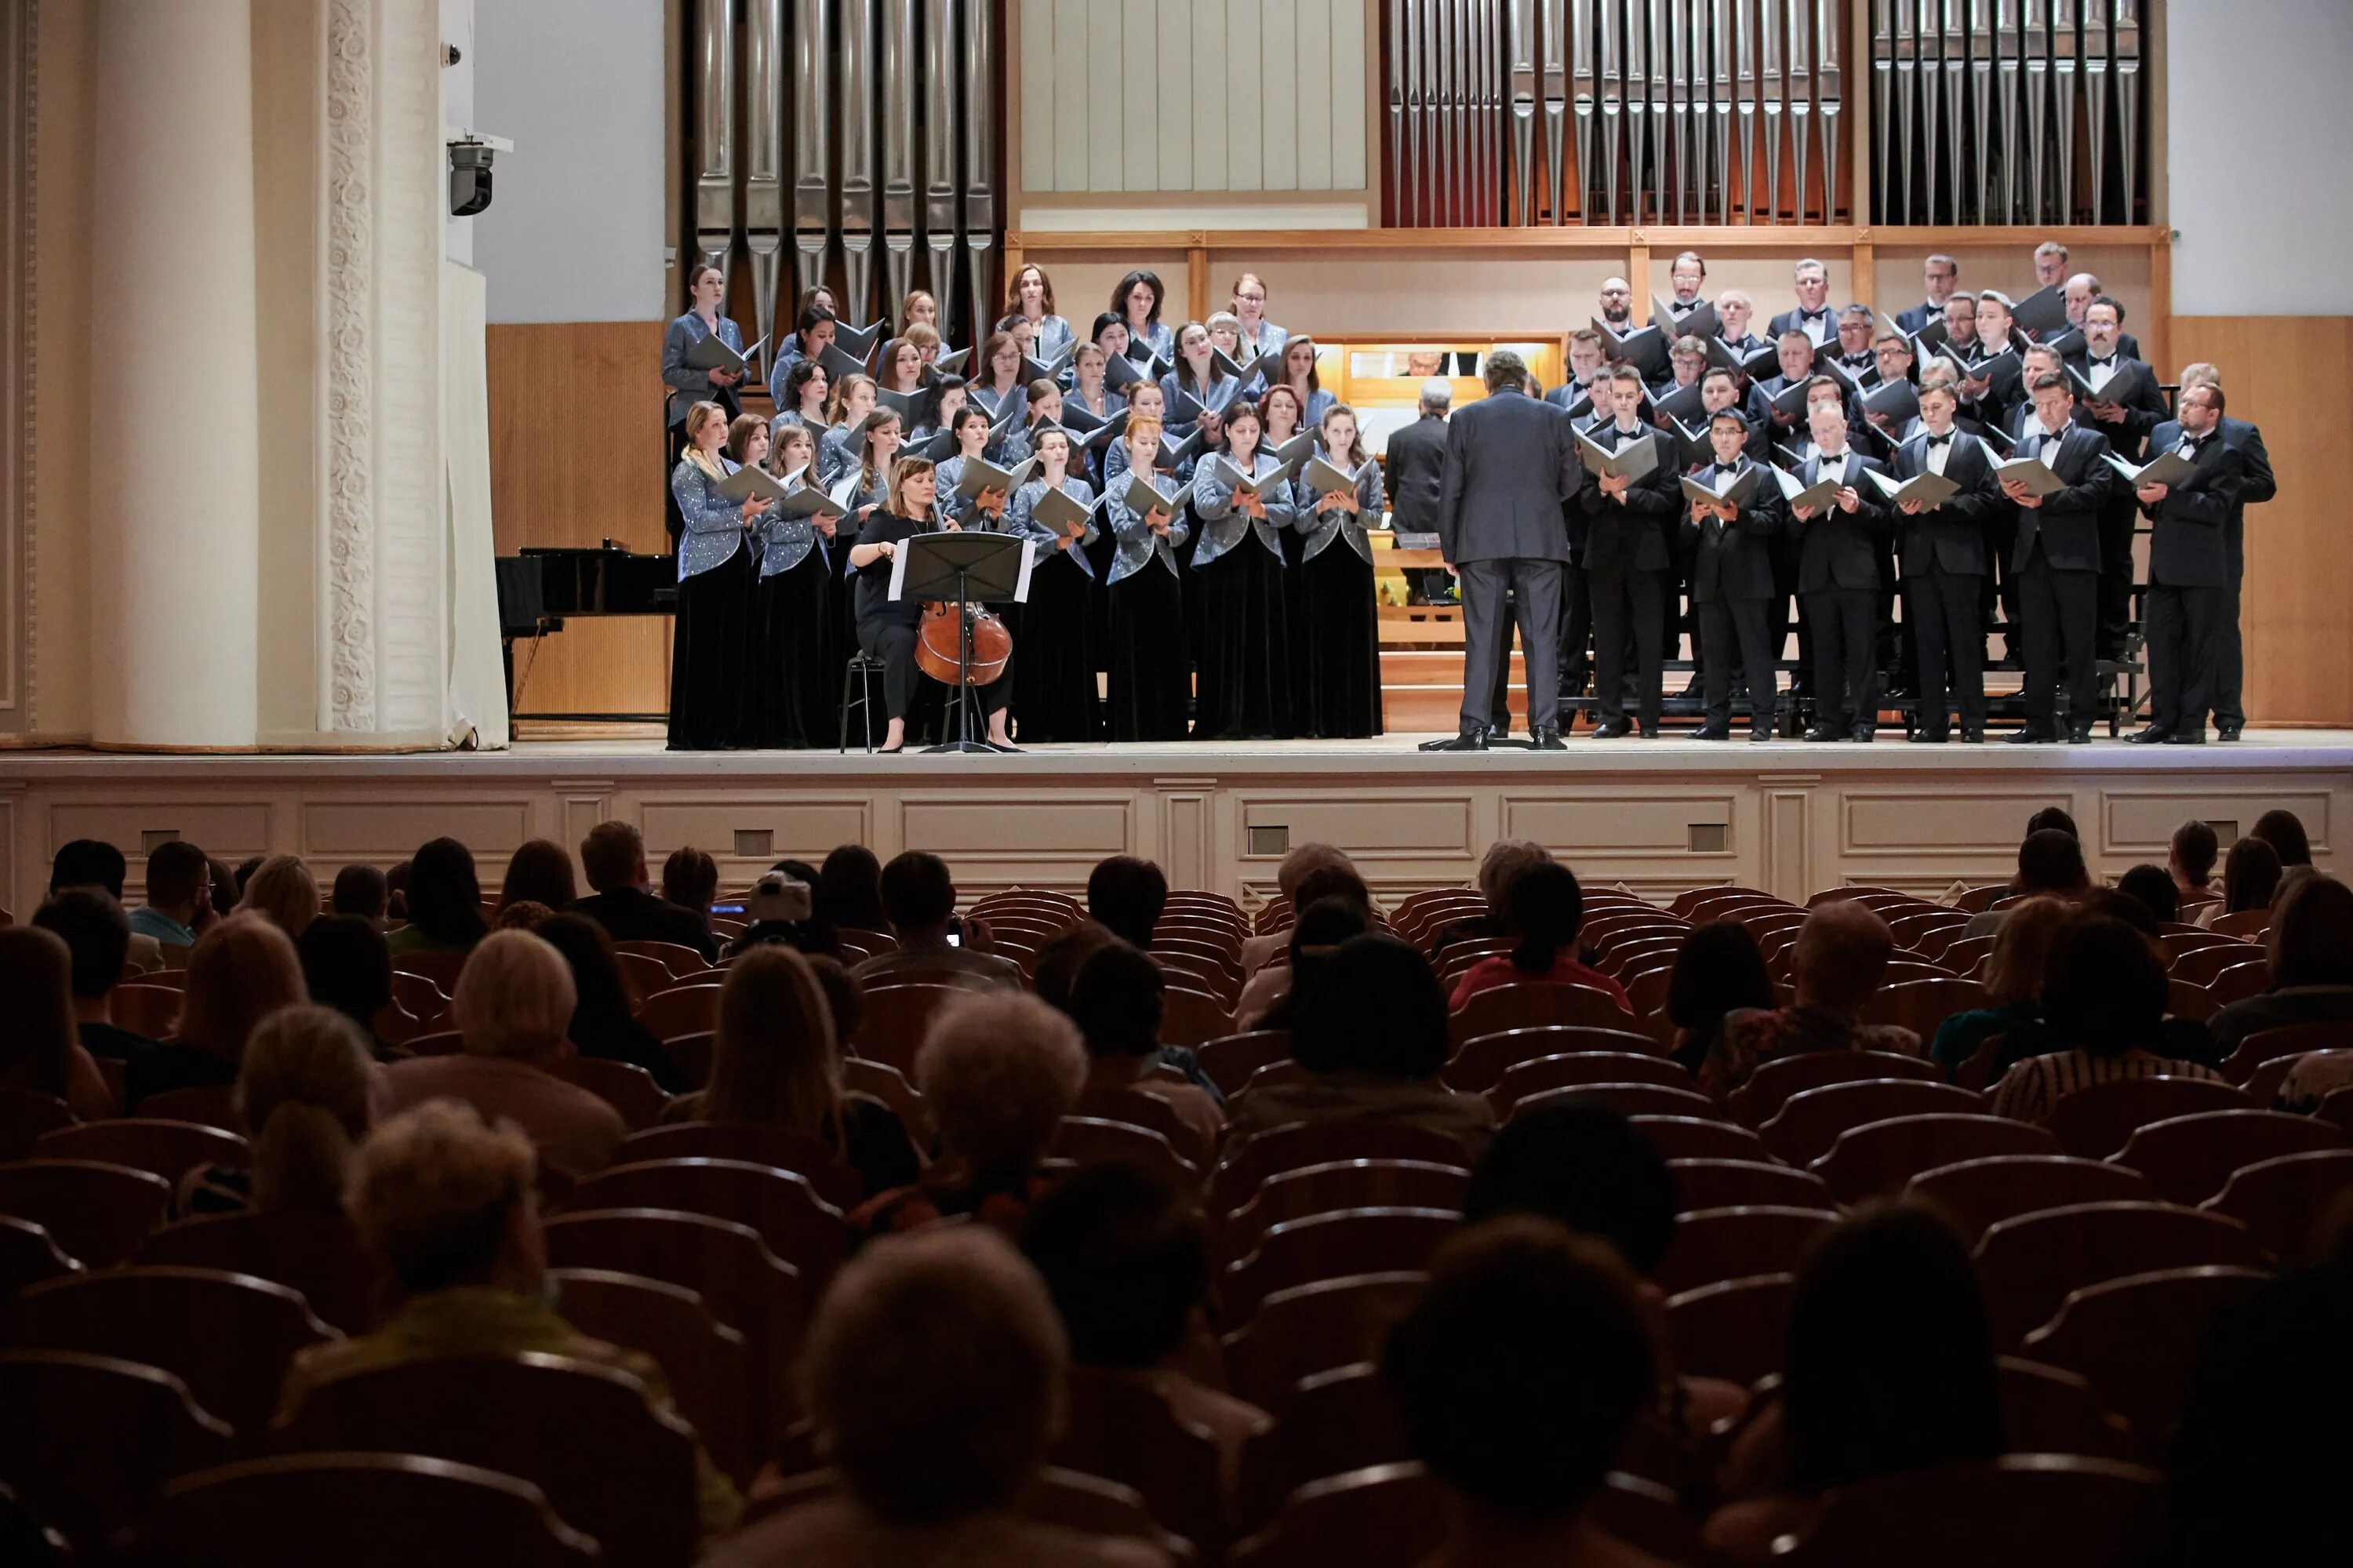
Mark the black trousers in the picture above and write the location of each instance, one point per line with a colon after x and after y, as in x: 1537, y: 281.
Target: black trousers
x: 1785, y: 549
x: 2229, y: 658
x: 2115, y: 577
x: 893, y: 642
x: 2061, y: 610
x: 1532, y: 587
x: 1626, y: 600
x: 1576, y: 632
x: 2001, y: 583
x: 1735, y: 626
x: 1941, y: 609
x: 1846, y: 684
x: 2183, y: 632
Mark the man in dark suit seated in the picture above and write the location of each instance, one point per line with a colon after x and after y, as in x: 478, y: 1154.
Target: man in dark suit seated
x: 614, y: 857
x: 1417, y: 472
x: 2056, y: 558
x: 2189, y: 568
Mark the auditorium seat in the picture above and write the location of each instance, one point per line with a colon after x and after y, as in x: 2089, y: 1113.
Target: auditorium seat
x: 1119, y: 1427
x: 2133, y: 1338
x: 1978, y: 1195
x: 2249, y: 922
x: 798, y: 1226
x: 1761, y: 1099
x: 88, y: 1439
x: 625, y: 1087
x: 1095, y: 1140
x: 1190, y: 1017
x: 680, y: 1010
x: 2095, y: 1121
x: 1921, y: 1002
x: 834, y: 1182
x: 438, y: 1043
x: 1523, y: 1003
x: 358, y: 1510
x: 1688, y: 904
x: 319, y: 1255
x: 1573, y: 1068
x: 1340, y: 1184
x: 97, y: 1213
x: 417, y: 996
x: 1740, y: 1184
x: 677, y: 959
x: 1696, y: 1137
x: 2047, y: 1411
x: 1293, y: 1146
x: 206, y: 1105
x: 2194, y: 1003
x: 642, y: 973
x: 1733, y: 1330
x: 2269, y: 1045
x: 706, y: 1361
x: 1480, y: 1062
x: 1712, y: 1246
x: 612, y: 1465
x: 441, y: 968
x: 2268, y: 1077
x: 895, y: 1019
x: 1274, y: 1075
x: 2282, y: 1201
x: 2204, y: 965
x: 2031, y: 1264
x: 1390, y: 1516
x: 1879, y: 1156
x: 2189, y: 1158
x: 1230, y: 1059
x: 887, y: 1083
x: 1966, y: 956
x: 1311, y: 1328
x: 1809, y: 1121
x: 152, y: 1010
x: 1331, y: 1245
x: 1626, y: 1099
x: 27, y: 1257
x: 229, y: 1337
x: 2021, y: 1510
x: 25, y: 1115
x: 1338, y: 1421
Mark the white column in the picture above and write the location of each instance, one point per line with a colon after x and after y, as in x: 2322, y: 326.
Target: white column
x: 175, y: 482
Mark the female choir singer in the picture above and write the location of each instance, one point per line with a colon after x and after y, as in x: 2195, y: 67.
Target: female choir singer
x: 711, y: 630
x: 1030, y: 296
x: 853, y: 400
x: 998, y: 377
x: 1299, y: 375
x: 794, y: 620
x: 1148, y: 666
x: 806, y: 387
x: 986, y: 510
x: 706, y: 286
x: 919, y: 307
x: 1054, y: 692
x: 1136, y: 302
x: 1249, y: 306
x: 900, y: 369
x: 812, y: 336
x: 861, y: 488
x: 1045, y: 410
x: 1243, y: 692
x: 1338, y: 635
x: 1278, y: 407
x: 1199, y: 382
x: 887, y: 628
x: 791, y: 342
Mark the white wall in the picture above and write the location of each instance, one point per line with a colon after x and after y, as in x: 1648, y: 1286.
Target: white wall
x: 457, y: 111
x: 574, y: 228
x: 2260, y: 125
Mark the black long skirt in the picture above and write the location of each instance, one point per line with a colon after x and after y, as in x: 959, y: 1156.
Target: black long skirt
x: 1150, y: 685
x: 710, y: 680
x: 1054, y: 675
x: 1244, y: 688
x: 798, y: 686
x: 1339, y: 669
x: 1100, y: 556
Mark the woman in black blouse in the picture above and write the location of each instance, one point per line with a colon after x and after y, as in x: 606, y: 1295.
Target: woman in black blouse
x: 887, y: 627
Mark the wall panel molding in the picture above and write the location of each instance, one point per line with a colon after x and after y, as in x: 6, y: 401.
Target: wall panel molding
x: 18, y: 381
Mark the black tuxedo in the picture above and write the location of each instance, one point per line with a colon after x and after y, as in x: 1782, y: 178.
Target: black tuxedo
x: 2229, y: 707
x: 1731, y: 585
x: 2006, y: 392
x: 2056, y: 558
x: 1416, y: 475
x: 2188, y: 578
x: 1943, y: 555
x: 1838, y: 579
x: 1794, y: 320
x: 2134, y: 387
x: 1915, y: 319
x: 1629, y: 563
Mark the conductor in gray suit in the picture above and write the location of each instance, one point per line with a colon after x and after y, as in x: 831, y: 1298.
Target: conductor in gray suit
x: 1510, y: 463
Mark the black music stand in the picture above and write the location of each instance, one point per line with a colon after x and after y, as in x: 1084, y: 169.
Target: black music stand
x: 963, y: 566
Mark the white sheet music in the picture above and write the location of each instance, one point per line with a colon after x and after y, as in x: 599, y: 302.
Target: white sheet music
x: 898, y: 569
x: 1028, y: 561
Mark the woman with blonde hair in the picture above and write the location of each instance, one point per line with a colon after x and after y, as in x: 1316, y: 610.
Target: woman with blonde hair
x: 918, y: 308
x: 283, y: 892
x: 2013, y: 984
x: 854, y: 397
x: 776, y: 1061
x: 239, y: 972
x: 793, y: 617
x: 41, y: 1050
x: 887, y: 626
x: 305, y: 1087
x: 708, y: 691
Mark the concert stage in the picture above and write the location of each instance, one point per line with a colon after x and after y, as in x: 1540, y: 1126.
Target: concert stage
x: 1657, y: 816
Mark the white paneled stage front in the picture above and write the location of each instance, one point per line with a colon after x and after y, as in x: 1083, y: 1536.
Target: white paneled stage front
x: 1657, y: 816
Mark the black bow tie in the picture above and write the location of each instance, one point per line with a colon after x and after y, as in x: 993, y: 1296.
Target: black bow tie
x: 2194, y: 441
x: 1945, y: 439
x: 1727, y: 467
x: 1813, y: 315
x: 2110, y: 360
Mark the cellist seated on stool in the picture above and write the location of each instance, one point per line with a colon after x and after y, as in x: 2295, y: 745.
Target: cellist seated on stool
x: 888, y: 628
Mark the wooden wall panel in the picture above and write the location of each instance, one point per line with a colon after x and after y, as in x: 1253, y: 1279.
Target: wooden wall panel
x: 2293, y: 375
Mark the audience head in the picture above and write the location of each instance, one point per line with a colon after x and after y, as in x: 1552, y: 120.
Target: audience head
x: 87, y: 863
x: 179, y: 880
x: 1840, y: 954
x: 918, y: 895
x: 1718, y: 969
x: 1518, y: 1373
x: 1065, y: 953
x: 1116, y: 1001
x: 1304, y: 859
x: 2193, y: 852
x: 243, y: 872
x: 774, y: 1059
x: 2250, y: 875
x: 282, y: 891
x: 2311, y: 937
x: 1547, y: 908
x: 361, y: 890
x: 2021, y: 951
x: 2124, y: 906
x: 2284, y: 831
x: 37, y: 977
x: 304, y: 1090
x: 1891, y: 1364
x: 2052, y: 861
x: 1505, y: 369
x: 1123, y: 1255
x: 1585, y: 1167
x: 514, y: 999
x: 2153, y: 886
x: 95, y: 932
x: 690, y: 880
x: 1500, y: 867
x: 445, y: 899
x: 1334, y: 880
x: 540, y: 870
x: 226, y: 888
x: 522, y: 914
x: 600, y: 996
x: 2104, y: 987
x: 849, y: 889
x: 1000, y: 1071
x: 1126, y: 897
x: 395, y: 889
x: 1316, y: 935
x: 2053, y: 818
x: 346, y: 966
x: 845, y: 999
x: 444, y: 1198
x: 1373, y: 1008
x: 613, y: 856
x: 242, y: 971
x: 935, y: 1375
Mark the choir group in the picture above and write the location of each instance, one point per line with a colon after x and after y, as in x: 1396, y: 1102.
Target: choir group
x: 1198, y: 507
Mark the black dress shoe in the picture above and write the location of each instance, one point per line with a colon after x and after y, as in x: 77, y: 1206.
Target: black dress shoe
x: 1613, y: 729
x: 2153, y: 735
x: 1863, y: 736
x: 2187, y: 737
x: 2034, y: 737
x: 1972, y: 737
x: 1761, y: 734
x: 2080, y: 734
x: 1650, y: 732
x: 1548, y: 739
x: 1927, y: 737
x: 1712, y: 730
x: 1496, y: 732
x: 1468, y: 740
x: 1824, y: 732
x: 2226, y: 732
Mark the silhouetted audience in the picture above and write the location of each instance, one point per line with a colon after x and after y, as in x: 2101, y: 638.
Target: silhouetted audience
x: 2104, y: 1000
x: 614, y: 857
x: 1126, y: 897
x: 1835, y: 966
x: 1719, y: 970
x: 444, y: 899
x: 1548, y: 911
x: 95, y: 931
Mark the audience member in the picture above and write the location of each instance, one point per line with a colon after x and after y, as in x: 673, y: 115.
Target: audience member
x: 1516, y: 1378
x: 1548, y: 910
x: 539, y: 872
x: 2153, y: 886
x: 690, y: 880
x: 2190, y: 859
x: 2051, y: 819
x: 1835, y: 965
x: 347, y: 967
x: 850, y: 890
x: 1315, y: 935
x: 614, y: 857
x: 1116, y: 1003
x: 1126, y: 897
x: 1123, y: 1255
x: 919, y: 898
x: 93, y: 862
x: 602, y: 1023
x: 2104, y: 998
x: 1719, y: 970
x: 448, y: 1203
x: 2251, y: 880
x: 512, y: 1003
x: 2050, y: 864
x: 241, y: 971
x: 226, y: 890
x: 998, y: 1071
x: 243, y: 875
x: 844, y: 998
x: 1371, y: 1033
x: 1271, y: 980
x: 523, y: 914
x: 934, y: 1376
x: 2284, y: 831
x: 781, y: 907
x: 92, y: 927
x: 2310, y: 948
x: 179, y: 895
x: 39, y: 1050
x: 1890, y: 1368
x: 1296, y: 865
x: 395, y: 890
x: 305, y: 1088
x: 361, y: 890
x: 444, y: 902
x: 776, y: 1061
x: 282, y: 891
x: 2014, y: 988
x: 1498, y: 869
x: 1064, y: 954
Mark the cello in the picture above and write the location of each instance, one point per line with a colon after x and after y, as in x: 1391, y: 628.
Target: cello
x: 976, y: 658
